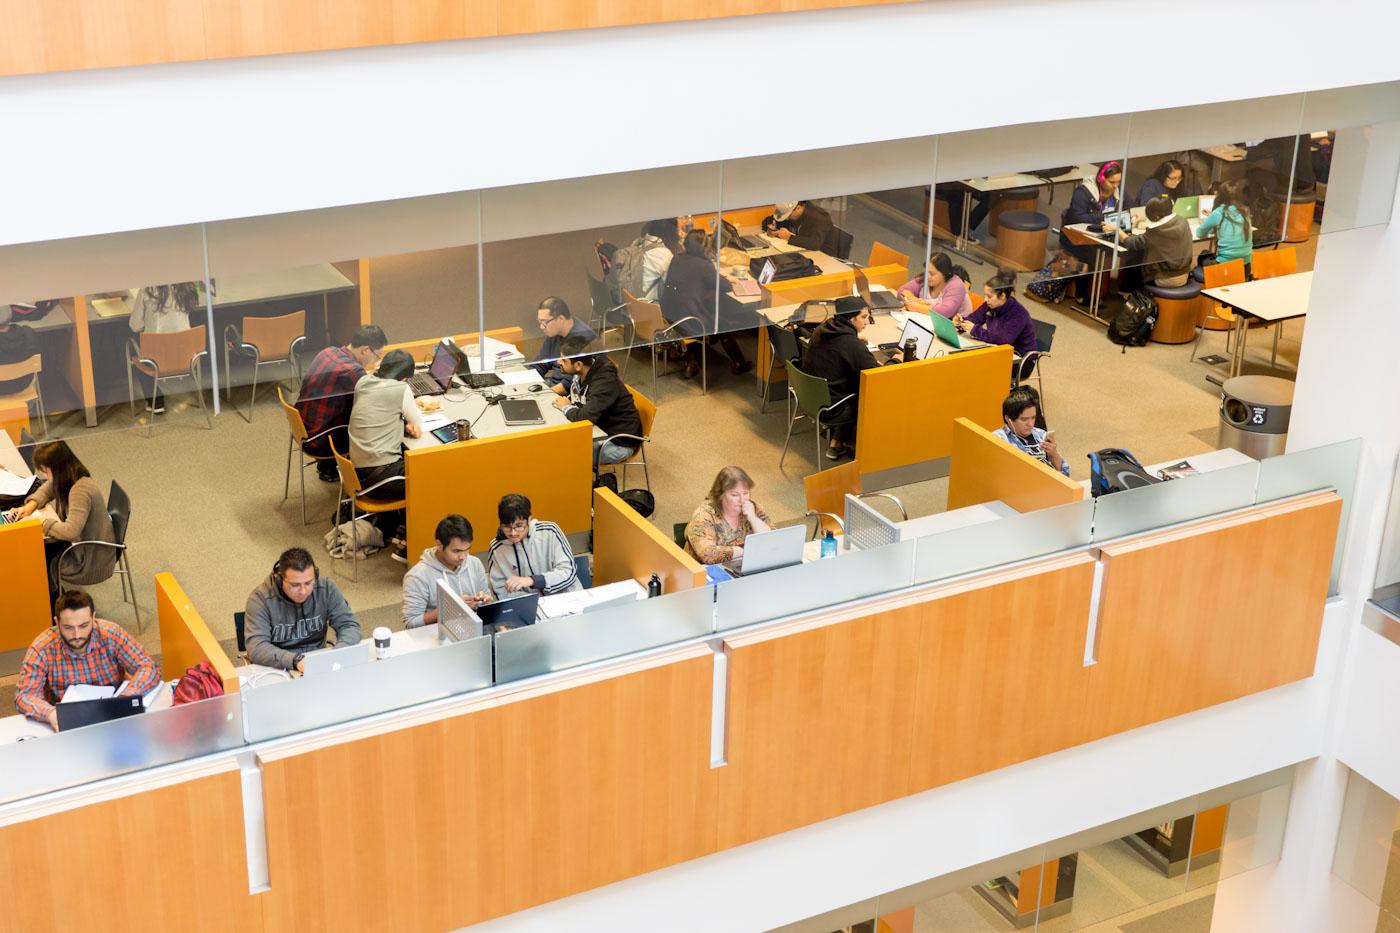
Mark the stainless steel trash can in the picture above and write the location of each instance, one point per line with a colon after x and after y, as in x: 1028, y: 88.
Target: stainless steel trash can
x: 1254, y: 413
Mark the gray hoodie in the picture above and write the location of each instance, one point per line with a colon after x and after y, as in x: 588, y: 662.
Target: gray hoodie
x: 420, y: 584
x: 276, y: 629
x: 544, y: 556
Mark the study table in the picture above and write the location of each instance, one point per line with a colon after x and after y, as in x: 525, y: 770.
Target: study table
x: 885, y: 327
x: 925, y: 525
x: 991, y: 184
x: 20, y: 728
x: 1207, y: 462
x: 1107, y: 245
x: 1281, y: 298
x: 487, y: 420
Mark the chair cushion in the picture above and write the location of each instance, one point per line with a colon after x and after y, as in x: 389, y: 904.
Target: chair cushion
x: 1174, y: 292
x: 1198, y: 275
x: 1024, y: 220
x: 1021, y: 194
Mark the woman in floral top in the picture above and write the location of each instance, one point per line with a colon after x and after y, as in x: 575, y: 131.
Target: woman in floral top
x: 717, y: 529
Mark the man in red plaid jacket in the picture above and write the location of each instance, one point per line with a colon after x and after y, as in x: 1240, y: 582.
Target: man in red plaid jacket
x: 328, y: 390
x: 80, y: 649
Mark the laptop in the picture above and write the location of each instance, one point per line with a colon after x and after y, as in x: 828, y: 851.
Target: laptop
x: 509, y: 613
x: 813, y: 312
x: 1187, y: 208
x: 518, y: 411
x: 334, y: 659
x: 753, y: 243
x: 438, y: 378
x: 946, y: 331
x: 78, y: 713
x: 876, y: 301
x: 765, y: 274
x: 769, y: 550
x: 917, y: 330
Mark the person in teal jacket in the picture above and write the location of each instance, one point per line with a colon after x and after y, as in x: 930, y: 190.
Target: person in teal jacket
x: 1232, y: 225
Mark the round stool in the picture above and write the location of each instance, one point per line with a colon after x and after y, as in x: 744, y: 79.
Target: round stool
x: 1177, y: 310
x: 1013, y: 199
x: 1021, y: 239
x: 1300, y: 207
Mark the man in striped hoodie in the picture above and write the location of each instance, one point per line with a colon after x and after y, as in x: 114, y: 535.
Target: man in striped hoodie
x: 528, y: 555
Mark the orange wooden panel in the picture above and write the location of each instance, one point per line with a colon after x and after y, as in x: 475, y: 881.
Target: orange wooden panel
x: 820, y: 722
x: 628, y: 547
x: 826, y: 491
x: 423, y: 349
x: 79, y: 369
x: 1002, y: 677
x: 496, y: 810
x: 27, y: 610
x: 901, y: 921
x: 553, y: 466
x: 13, y: 420
x: 882, y: 255
x: 549, y: 15
x: 907, y: 411
x: 66, y: 35
x: 985, y: 467
x: 831, y: 285
x: 345, y: 310
x: 185, y: 639
x: 1036, y: 887
x: 168, y: 858
x: 1210, y: 612
x: 1209, y: 832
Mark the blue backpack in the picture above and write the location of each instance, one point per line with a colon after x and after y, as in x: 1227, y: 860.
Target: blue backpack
x: 1114, y: 469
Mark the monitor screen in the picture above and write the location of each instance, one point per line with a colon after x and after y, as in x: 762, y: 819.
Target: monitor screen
x: 765, y: 275
x: 444, y: 365
x: 923, y: 338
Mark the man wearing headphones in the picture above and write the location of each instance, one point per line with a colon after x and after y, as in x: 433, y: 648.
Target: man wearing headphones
x: 288, y: 615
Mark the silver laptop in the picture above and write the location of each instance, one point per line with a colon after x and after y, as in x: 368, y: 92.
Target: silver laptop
x: 335, y: 659
x: 916, y: 330
x: 769, y: 550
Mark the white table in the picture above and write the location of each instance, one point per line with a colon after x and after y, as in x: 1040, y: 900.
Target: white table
x: 20, y: 728
x: 461, y: 403
x: 404, y: 641
x: 1109, y: 245
x: 964, y: 517
x: 1207, y: 462
x: 993, y: 183
x: 1274, y: 300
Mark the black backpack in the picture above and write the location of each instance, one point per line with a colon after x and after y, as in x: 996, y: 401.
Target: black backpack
x: 1132, y: 327
x: 1113, y: 469
x: 786, y: 266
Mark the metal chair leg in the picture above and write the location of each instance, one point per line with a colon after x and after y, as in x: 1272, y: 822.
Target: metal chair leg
x: 792, y: 419
x: 301, y: 474
x: 354, y: 544
x: 766, y: 386
x: 43, y: 410
x: 199, y: 394
x: 287, y: 480
x: 140, y: 622
x: 646, y: 474
x: 253, y: 392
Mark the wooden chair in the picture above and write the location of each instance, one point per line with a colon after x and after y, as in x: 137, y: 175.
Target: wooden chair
x: 651, y: 328
x: 809, y: 397
x: 646, y: 411
x: 1217, y: 316
x: 166, y: 357
x: 826, y: 497
x: 882, y: 255
x: 608, y: 318
x: 297, y: 440
x: 266, y: 341
x: 31, y: 367
x: 1271, y: 263
x: 354, y: 492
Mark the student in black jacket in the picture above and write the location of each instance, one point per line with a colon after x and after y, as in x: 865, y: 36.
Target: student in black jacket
x: 1091, y: 199
x: 802, y: 223
x: 690, y: 292
x: 597, y: 395
x: 838, y: 354
x: 17, y: 344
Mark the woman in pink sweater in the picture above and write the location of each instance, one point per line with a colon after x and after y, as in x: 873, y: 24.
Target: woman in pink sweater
x: 941, y: 290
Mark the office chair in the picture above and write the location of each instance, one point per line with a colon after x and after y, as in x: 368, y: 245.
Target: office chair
x: 649, y: 326
x: 882, y: 255
x: 1032, y: 362
x: 646, y: 412
x: 583, y: 569
x: 1218, y: 317
x: 33, y: 392
x: 266, y: 341
x: 297, y: 440
x: 358, y: 496
x: 782, y: 347
x: 119, y: 511
x: 163, y: 358
x: 240, y: 620
x: 810, y: 398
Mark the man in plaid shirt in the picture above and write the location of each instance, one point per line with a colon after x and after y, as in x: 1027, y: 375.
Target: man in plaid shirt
x: 329, y: 388
x: 80, y: 649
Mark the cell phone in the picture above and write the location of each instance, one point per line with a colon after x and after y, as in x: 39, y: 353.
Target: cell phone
x: 1050, y: 436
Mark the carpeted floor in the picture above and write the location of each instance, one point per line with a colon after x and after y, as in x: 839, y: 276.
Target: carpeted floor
x: 206, y: 504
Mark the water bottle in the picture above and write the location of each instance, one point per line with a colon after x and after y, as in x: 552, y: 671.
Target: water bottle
x: 911, y: 348
x: 829, y: 544
x: 653, y: 587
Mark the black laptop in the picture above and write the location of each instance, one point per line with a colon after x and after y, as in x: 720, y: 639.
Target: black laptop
x: 80, y: 713
x: 509, y: 613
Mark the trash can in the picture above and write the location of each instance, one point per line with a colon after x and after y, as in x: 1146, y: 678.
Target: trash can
x: 1254, y: 413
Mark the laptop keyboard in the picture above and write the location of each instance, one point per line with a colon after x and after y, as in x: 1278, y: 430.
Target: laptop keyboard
x: 424, y: 384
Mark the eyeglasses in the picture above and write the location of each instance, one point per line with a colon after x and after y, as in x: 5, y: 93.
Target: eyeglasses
x: 517, y: 526
x: 543, y: 322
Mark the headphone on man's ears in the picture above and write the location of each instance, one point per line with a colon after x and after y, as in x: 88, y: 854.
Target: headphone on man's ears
x: 277, y: 570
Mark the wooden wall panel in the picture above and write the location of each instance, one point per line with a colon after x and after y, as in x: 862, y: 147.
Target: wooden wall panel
x: 27, y: 610
x: 496, y: 810
x: 41, y: 36
x: 171, y: 858
x: 185, y: 639
x: 986, y: 468
x: 1191, y: 618
x: 629, y: 547
x: 1003, y: 677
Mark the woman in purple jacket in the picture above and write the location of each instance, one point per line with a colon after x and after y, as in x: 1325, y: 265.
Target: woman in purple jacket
x: 1001, y: 319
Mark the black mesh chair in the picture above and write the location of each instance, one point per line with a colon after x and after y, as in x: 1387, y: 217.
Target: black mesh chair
x: 119, y: 510
x: 783, y: 344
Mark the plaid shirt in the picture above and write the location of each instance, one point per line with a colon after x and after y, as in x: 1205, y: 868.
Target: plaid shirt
x: 328, y: 390
x: 50, y: 668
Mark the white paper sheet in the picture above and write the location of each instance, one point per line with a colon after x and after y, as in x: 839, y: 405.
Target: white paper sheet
x: 12, y: 485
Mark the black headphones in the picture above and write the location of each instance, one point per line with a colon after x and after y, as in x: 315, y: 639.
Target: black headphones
x: 277, y: 570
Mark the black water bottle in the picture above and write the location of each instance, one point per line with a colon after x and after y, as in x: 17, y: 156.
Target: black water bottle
x: 653, y: 587
x: 911, y: 349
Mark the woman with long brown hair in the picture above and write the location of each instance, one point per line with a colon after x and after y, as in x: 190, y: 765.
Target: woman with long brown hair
x: 79, y: 513
x: 1232, y: 224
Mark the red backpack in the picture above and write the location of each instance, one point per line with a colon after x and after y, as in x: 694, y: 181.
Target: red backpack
x: 199, y: 683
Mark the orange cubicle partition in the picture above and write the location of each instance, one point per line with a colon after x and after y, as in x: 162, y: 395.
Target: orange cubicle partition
x: 907, y: 411
x: 610, y: 769
x: 829, y: 285
x: 552, y: 466
x: 628, y: 547
x: 27, y: 610
x: 985, y: 468
x: 184, y: 638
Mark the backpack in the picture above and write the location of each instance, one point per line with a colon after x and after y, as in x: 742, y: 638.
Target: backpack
x: 199, y: 683
x: 1132, y: 326
x: 1114, y: 469
x: 627, y: 266
x: 786, y: 266
x: 1052, y: 281
x: 641, y: 500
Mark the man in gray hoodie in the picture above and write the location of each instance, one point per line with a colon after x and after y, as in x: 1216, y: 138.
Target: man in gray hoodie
x: 288, y: 615
x: 529, y: 555
x: 452, y: 563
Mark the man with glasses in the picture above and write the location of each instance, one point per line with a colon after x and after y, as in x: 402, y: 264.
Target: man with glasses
x: 556, y: 323
x: 528, y: 555
x: 328, y: 390
x: 290, y: 612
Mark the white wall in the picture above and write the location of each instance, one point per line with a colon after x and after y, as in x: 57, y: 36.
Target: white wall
x: 122, y: 149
